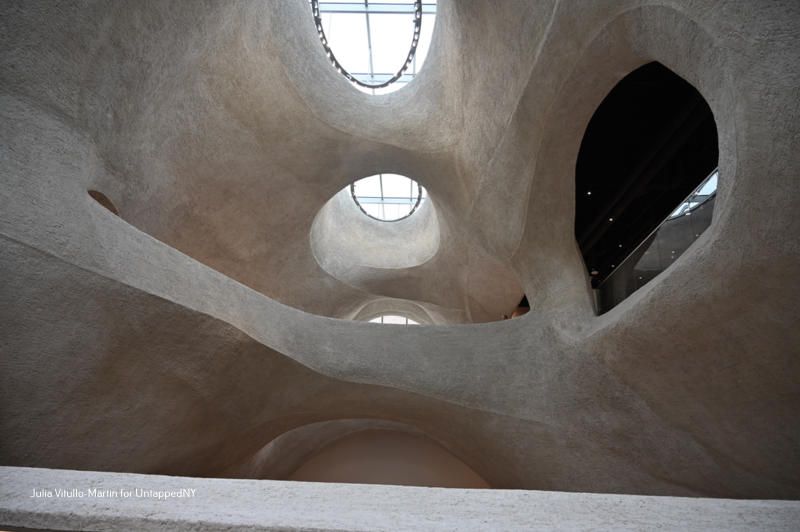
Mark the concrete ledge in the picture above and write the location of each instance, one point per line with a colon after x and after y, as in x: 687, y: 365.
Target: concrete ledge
x: 136, y: 502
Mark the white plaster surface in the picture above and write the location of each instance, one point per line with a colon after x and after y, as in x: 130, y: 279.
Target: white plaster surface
x: 274, y: 505
x: 187, y: 334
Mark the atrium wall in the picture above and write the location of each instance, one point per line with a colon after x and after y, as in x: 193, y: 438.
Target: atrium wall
x: 190, y: 333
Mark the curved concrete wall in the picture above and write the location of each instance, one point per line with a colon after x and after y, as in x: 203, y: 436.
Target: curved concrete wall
x: 345, y: 241
x: 186, y: 335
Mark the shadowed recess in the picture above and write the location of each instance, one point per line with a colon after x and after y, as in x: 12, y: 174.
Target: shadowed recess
x: 388, y: 457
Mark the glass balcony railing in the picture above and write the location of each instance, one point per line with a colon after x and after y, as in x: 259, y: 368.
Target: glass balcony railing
x: 661, y: 247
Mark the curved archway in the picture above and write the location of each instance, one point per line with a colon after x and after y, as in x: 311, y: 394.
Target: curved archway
x: 422, y: 313
x: 345, y: 240
x: 382, y: 456
x: 647, y: 149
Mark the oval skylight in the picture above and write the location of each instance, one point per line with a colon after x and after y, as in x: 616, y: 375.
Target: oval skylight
x: 393, y: 319
x: 379, y: 46
x: 388, y: 197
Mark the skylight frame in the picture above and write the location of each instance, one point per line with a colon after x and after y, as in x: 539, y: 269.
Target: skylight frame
x: 385, y: 199
x: 372, y: 81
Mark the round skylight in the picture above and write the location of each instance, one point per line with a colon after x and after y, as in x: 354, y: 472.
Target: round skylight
x: 393, y: 319
x: 388, y: 197
x: 379, y: 46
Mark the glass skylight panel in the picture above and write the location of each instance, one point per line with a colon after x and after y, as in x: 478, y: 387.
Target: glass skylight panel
x: 369, y: 187
x: 398, y: 186
x: 393, y: 319
x: 375, y: 210
x: 371, y: 41
x: 347, y: 35
x: 395, y: 212
x: 388, y: 32
x: 388, y: 197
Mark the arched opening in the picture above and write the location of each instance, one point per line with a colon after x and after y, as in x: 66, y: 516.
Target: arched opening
x: 388, y: 197
x: 523, y: 307
x: 388, y: 457
x: 103, y: 200
x: 369, y: 229
x: 645, y: 180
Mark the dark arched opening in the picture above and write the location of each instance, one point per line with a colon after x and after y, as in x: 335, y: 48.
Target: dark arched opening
x: 650, y: 151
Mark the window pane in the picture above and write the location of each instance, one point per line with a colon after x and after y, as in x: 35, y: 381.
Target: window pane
x: 426, y: 32
x: 391, y: 39
x: 374, y: 209
x: 395, y: 186
x: 369, y: 186
x: 347, y: 37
